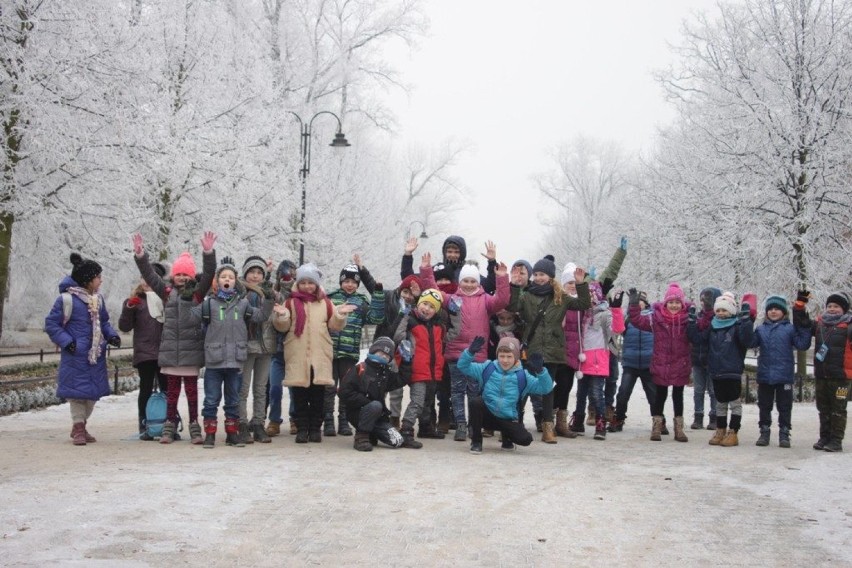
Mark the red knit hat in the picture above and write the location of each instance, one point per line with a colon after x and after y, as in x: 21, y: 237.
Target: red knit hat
x: 674, y: 292
x: 184, y: 265
x: 408, y: 281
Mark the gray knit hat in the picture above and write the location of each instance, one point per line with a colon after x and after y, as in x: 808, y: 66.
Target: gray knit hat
x: 309, y: 271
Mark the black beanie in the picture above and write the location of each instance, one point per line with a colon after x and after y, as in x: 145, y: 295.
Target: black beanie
x: 545, y: 265
x: 383, y: 345
x: 84, y: 271
x: 350, y: 271
x: 442, y: 272
x: 839, y: 298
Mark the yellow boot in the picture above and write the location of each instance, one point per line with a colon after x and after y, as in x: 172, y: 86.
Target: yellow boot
x: 730, y: 439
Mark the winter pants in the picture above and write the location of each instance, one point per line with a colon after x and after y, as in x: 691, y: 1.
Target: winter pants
x: 564, y: 382
x: 216, y: 381
x: 395, y: 402
x: 625, y: 390
x: 419, y: 392
x: 611, y: 387
x: 591, y: 387
x: 255, y: 377
x: 461, y: 387
x: 371, y: 419
x: 276, y: 388
x: 149, y: 373
x: 190, y: 387
x: 728, y: 392
x: 831, y: 398
x: 660, y: 396
x: 309, y: 406
x: 80, y: 409
x: 339, y: 368
x: 702, y: 383
x: 559, y: 373
x: 770, y: 395
x: 481, y: 417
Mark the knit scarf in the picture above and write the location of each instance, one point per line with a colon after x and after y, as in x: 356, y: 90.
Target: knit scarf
x: 299, y: 299
x: 92, y: 302
x: 155, y: 306
x: 540, y: 289
x: 834, y: 319
x: 722, y: 323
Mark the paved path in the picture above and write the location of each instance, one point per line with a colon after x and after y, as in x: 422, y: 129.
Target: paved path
x: 625, y: 501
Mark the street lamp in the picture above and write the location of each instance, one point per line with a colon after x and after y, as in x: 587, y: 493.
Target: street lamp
x: 305, y: 150
x: 423, y: 235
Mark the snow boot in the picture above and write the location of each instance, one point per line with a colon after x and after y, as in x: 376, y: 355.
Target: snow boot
x: 293, y: 428
x: 328, y: 425
x: 600, y: 428
x: 302, y: 436
x: 273, y: 429
x: 617, y: 425
x: 315, y: 436
x: 427, y: 431
x: 259, y: 432
x: 834, y: 445
x: 244, y: 433
x: 89, y: 438
x: 408, y: 440
x: 562, y: 429
x: 507, y: 444
x: 210, y: 427
x: 730, y: 439
x: 232, y: 433
x: 78, y: 434
x: 763, y: 439
x: 784, y: 437
x: 656, y: 428
x: 609, y: 414
x: 711, y: 422
x: 680, y: 435
x: 343, y: 424
x: 548, y: 435
x: 576, y: 424
x: 698, y: 422
x: 663, y: 429
x: 362, y: 442
x: 443, y: 426
x: 824, y: 432
x: 461, y: 432
x: 718, y: 436
x: 476, y: 448
x: 168, y: 432
x: 195, y: 433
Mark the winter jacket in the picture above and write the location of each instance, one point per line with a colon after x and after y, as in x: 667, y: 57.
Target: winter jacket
x: 469, y: 316
x: 347, y: 342
x: 78, y: 379
x: 670, y: 360
x: 427, y: 338
x: 313, y: 349
x: 727, y: 347
x: 598, y: 330
x: 838, y: 360
x: 226, y: 338
x: 610, y: 273
x: 147, y: 331
x: 182, y: 343
x: 572, y: 328
x: 500, y: 393
x: 776, y: 341
x: 638, y: 345
x: 548, y: 339
x: 394, y: 304
x: 261, y: 335
x: 366, y: 382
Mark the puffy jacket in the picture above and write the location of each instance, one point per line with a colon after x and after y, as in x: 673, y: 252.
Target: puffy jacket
x: 727, y: 346
x: 226, y: 340
x: 366, y: 382
x: 78, y: 379
x: 500, y: 394
x: 670, y: 360
x: 147, y: 331
x: 776, y: 341
x: 597, y: 332
x: 638, y: 346
x: 426, y: 336
x: 347, y: 342
x: 838, y: 360
x: 262, y: 336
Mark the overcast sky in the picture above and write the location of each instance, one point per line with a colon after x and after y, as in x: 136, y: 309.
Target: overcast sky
x: 515, y: 78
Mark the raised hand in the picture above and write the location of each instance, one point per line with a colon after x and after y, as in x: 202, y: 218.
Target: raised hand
x: 410, y: 245
x: 803, y: 296
x: 518, y: 278
x: 633, y: 296
x: 346, y: 309
x: 356, y: 259
x: 502, y: 270
x: 617, y: 299
x: 138, y: 245
x: 535, y: 364
x: 745, y: 311
x: 208, y: 241
x: 693, y: 317
x: 426, y: 260
x: 579, y: 275
x: 490, y: 250
x: 476, y: 344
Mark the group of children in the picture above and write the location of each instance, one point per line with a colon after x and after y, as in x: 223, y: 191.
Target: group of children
x: 480, y: 346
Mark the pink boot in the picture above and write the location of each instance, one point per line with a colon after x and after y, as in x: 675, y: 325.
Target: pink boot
x: 78, y: 433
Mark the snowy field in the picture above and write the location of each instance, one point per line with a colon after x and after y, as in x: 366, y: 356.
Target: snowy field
x: 123, y: 502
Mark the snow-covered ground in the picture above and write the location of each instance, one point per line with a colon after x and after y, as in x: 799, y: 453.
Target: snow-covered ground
x: 628, y: 501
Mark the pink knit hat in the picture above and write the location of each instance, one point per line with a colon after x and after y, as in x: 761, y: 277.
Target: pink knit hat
x: 673, y: 292
x: 184, y: 265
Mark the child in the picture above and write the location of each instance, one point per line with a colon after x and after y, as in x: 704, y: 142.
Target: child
x: 776, y: 338
x: 728, y: 337
x: 143, y: 314
x: 226, y: 317
x: 670, y: 360
x: 832, y: 368
x: 469, y: 310
x: 347, y: 343
x: 82, y: 335
x: 424, y: 331
x: 283, y: 283
x: 363, y: 390
x: 499, y: 390
x: 701, y: 381
x: 543, y: 307
x: 261, y: 346
x: 181, y: 353
x: 308, y: 316
x: 635, y: 364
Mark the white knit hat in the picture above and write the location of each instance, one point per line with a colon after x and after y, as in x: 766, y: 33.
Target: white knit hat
x: 568, y: 273
x: 728, y: 302
x: 469, y: 271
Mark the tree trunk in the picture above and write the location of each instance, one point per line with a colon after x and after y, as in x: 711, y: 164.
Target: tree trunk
x: 7, y: 221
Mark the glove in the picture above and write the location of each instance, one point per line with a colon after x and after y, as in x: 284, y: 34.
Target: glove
x: 454, y: 305
x: 633, y: 296
x: 266, y: 288
x: 618, y: 299
x: 134, y: 301
x: 115, y: 341
x: 745, y: 312
x: 802, y: 297
x: 71, y: 347
x: 188, y: 290
x: 379, y: 287
x: 693, y: 317
x: 623, y: 245
x: 535, y: 364
x: 476, y: 344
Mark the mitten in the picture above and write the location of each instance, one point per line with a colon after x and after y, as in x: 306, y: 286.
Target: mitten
x: 802, y: 298
x: 476, y: 344
x: 405, y: 350
x: 692, y: 315
x: 617, y: 299
x: 71, y: 347
x: 188, y: 290
x: 115, y: 341
x: 633, y: 296
x: 535, y: 364
x: 266, y: 288
x: 134, y: 301
x: 745, y: 311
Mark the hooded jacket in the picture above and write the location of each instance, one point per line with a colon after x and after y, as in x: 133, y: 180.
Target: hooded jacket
x: 670, y: 358
x: 777, y: 341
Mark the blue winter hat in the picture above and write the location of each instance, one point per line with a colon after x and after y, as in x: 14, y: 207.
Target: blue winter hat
x: 776, y: 301
x: 525, y: 264
x: 546, y: 266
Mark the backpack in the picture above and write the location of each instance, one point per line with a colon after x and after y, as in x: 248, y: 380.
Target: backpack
x: 519, y: 373
x: 155, y: 414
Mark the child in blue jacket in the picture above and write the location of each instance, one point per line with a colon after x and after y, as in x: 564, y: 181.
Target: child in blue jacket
x: 501, y: 384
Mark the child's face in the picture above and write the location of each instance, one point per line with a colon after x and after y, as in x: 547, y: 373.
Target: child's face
x: 674, y: 306
x: 774, y: 314
x: 426, y: 310
x: 180, y: 280
x: 383, y: 356
x: 349, y: 286
x: 570, y: 288
x: 505, y: 360
x: 226, y: 280
x: 469, y: 285
x: 452, y: 253
x: 723, y: 314
x: 541, y: 278
x: 505, y: 319
x: 95, y: 283
x: 254, y: 276
x: 306, y: 286
x: 520, y: 274
x: 834, y: 309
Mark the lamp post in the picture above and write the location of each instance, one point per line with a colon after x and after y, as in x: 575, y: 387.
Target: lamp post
x: 305, y: 129
x: 423, y: 234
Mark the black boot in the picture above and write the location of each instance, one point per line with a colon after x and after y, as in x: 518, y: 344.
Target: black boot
x: 259, y: 433
x: 245, y: 434
x: 576, y: 423
x: 232, y: 433
x: 328, y: 425
x: 408, y: 440
x: 426, y: 430
x: 343, y: 424
x: 362, y: 442
x: 763, y: 439
x: 824, y: 432
x: 302, y: 436
x: 698, y: 422
x: 210, y: 427
x: 784, y: 437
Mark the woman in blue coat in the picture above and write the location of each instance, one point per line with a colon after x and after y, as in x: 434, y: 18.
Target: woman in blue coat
x: 79, y: 324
